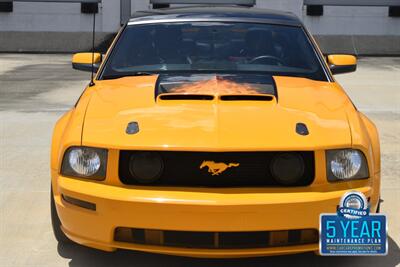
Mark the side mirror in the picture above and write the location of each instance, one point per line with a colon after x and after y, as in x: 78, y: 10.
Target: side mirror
x: 342, y: 63
x: 83, y: 61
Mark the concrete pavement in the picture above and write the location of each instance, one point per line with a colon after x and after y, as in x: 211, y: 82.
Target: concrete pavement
x: 36, y: 89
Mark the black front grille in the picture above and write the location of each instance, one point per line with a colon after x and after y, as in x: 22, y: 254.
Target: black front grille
x: 246, y: 169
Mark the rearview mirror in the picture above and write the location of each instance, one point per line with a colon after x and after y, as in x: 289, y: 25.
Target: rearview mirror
x: 83, y: 61
x: 342, y: 63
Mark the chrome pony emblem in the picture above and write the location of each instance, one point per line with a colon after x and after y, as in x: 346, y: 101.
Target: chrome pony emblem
x: 216, y: 168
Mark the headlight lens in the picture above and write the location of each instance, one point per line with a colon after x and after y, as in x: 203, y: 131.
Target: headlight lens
x: 346, y: 164
x: 86, y: 162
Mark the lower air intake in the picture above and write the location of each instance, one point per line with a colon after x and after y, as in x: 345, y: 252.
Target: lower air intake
x: 216, y: 240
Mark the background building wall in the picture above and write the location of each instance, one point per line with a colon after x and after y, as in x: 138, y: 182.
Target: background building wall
x: 61, y: 27
x: 354, y: 30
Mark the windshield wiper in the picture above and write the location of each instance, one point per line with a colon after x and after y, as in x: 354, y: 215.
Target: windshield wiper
x: 121, y: 75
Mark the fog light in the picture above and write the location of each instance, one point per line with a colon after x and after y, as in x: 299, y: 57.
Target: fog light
x: 287, y: 168
x: 146, y: 167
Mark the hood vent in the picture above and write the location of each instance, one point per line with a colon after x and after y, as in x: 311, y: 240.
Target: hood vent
x: 301, y: 129
x: 185, y: 97
x: 246, y: 98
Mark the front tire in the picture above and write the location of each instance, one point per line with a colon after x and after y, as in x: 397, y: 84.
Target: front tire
x: 56, y: 223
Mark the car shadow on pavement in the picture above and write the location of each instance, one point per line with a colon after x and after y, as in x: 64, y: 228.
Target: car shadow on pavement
x: 86, y: 257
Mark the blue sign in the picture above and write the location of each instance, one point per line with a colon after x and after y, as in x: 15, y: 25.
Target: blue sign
x: 352, y: 230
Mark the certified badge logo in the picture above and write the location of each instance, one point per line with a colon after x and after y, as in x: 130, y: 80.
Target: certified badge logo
x: 353, y: 230
x: 353, y: 205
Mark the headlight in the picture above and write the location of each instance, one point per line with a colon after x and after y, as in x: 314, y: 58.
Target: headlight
x: 86, y: 162
x: 346, y: 164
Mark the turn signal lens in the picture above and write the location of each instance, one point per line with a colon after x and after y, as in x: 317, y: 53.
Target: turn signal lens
x: 85, y: 162
x: 346, y: 164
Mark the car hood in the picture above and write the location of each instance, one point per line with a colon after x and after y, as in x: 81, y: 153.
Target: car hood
x: 195, y: 122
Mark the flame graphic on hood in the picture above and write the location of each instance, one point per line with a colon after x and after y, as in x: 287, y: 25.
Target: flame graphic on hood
x: 215, y: 86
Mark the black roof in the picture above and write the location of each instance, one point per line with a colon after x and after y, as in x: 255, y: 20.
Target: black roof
x: 216, y: 13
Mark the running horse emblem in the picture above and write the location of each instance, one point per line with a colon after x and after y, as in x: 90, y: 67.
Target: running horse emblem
x: 216, y: 168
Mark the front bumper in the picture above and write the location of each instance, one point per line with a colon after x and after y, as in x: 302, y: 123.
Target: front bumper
x: 200, y: 209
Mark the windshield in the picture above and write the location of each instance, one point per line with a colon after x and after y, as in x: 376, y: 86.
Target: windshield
x: 213, y: 47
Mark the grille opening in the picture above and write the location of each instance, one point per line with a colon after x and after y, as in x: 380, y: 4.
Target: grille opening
x: 139, y: 236
x: 191, y: 239
x: 246, y: 98
x: 243, y: 169
x: 217, y: 240
x: 243, y: 239
x: 294, y: 236
x: 185, y: 97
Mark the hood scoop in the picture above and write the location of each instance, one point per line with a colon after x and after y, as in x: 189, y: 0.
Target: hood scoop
x: 225, y: 87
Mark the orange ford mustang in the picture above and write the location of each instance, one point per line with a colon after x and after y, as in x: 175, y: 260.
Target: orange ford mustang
x: 210, y: 132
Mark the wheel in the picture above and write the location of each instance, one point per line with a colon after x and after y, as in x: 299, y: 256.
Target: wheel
x: 56, y: 223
